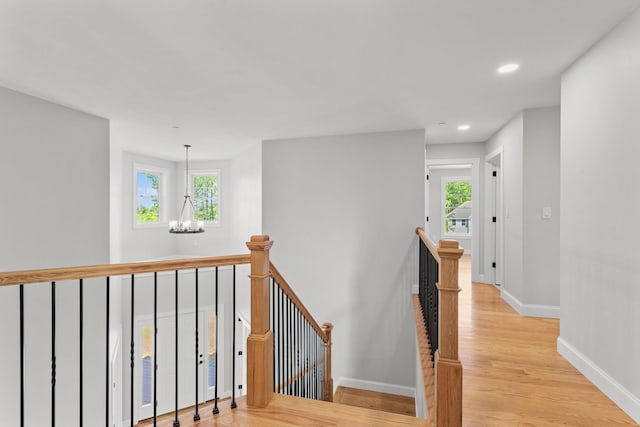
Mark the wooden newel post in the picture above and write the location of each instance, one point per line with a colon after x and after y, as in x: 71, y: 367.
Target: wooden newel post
x: 448, y: 367
x: 328, y: 379
x: 260, y: 342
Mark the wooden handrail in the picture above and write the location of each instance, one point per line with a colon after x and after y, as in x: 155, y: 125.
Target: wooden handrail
x: 282, y: 283
x: 104, y: 270
x: 433, y: 248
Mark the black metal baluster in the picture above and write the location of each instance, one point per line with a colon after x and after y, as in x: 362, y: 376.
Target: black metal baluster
x: 176, y: 421
x: 81, y: 349
x: 287, y: 340
x: 281, y: 342
x: 196, y: 415
x: 306, y: 365
x: 21, y: 355
x: 296, y: 351
x: 272, y: 315
x: 233, y: 359
x: 215, y: 398
x: 132, y: 355
x: 53, y: 354
x: 155, y: 347
x: 107, y: 345
x: 290, y: 347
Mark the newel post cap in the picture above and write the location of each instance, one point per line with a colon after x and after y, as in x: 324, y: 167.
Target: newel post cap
x: 259, y: 243
x: 449, y: 249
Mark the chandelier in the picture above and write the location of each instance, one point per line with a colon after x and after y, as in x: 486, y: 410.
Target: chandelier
x: 188, y: 225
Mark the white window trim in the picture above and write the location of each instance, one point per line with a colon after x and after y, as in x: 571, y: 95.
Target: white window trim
x: 206, y: 172
x: 163, y: 204
x: 443, y: 200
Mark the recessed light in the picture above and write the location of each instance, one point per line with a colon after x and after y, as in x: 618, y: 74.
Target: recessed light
x: 508, y: 68
x: 464, y: 127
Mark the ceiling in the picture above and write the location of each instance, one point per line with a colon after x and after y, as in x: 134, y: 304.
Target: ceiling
x: 230, y: 73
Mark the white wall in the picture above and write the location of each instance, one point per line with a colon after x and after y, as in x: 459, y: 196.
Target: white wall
x: 240, y: 206
x: 600, y: 279
x: 530, y: 168
x: 54, y: 184
x: 342, y: 211
x: 541, y: 188
x: 511, y: 139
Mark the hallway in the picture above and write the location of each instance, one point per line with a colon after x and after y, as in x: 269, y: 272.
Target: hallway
x: 513, y: 375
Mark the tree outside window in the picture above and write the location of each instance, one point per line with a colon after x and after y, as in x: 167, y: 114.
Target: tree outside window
x: 457, y: 207
x: 206, y: 197
x: 148, y: 206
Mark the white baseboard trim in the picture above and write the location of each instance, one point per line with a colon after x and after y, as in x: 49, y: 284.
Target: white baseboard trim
x: 531, y: 310
x: 415, y: 289
x: 622, y: 397
x: 376, y: 386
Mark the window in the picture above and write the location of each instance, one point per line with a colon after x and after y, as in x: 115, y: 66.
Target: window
x: 211, y: 353
x: 149, y: 190
x: 147, y: 364
x: 205, y: 193
x: 456, y: 193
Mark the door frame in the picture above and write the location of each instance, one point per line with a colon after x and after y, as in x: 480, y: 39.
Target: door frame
x: 477, y: 194
x: 495, y: 235
x: 203, y: 313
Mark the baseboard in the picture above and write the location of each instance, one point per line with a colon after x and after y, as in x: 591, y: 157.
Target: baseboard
x: 622, y: 397
x: 376, y: 386
x: 415, y: 289
x: 531, y: 310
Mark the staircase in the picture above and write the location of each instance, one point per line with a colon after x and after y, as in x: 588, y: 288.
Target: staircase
x: 288, y: 360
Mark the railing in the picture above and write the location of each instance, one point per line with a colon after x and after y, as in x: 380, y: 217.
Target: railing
x: 302, y: 348
x: 437, y: 321
x: 307, y: 357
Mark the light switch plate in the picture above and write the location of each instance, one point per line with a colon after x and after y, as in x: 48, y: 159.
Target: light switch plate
x: 546, y: 213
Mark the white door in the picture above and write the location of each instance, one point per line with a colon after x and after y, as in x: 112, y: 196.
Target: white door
x: 188, y: 361
x: 211, y: 349
x: 427, y: 217
x: 496, y: 221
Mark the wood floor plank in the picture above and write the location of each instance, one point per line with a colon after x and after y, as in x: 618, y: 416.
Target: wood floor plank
x: 287, y: 411
x: 513, y: 374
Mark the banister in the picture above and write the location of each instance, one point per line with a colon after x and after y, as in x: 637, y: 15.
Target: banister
x: 294, y: 298
x: 433, y: 248
x: 89, y: 271
x: 447, y: 378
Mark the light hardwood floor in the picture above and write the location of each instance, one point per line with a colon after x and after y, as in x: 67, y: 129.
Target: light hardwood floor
x: 286, y: 411
x: 513, y: 374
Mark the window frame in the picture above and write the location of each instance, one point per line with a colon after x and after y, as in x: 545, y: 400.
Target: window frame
x: 443, y: 205
x: 207, y: 172
x: 163, y: 180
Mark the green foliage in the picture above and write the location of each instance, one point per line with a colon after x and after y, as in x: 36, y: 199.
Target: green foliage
x: 457, y: 192
x: 144, y: 214
x: 152, y: 214
x: 205, y: 197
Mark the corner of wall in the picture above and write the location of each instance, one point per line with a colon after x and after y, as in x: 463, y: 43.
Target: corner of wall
x: 622, y: 397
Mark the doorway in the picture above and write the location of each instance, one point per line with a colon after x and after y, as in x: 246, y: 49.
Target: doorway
x: 205, y: 360
x: 435, y: 214
x: 495, y: 231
